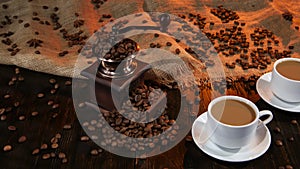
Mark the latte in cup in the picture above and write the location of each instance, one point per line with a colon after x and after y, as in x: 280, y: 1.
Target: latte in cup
x: 285, y: 82
x: 232, y: 121
x: 289, y: 69
x: 233, y: 112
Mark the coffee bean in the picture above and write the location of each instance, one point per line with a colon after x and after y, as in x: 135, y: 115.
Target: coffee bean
x: 277, y: 130
x: 54, y: 146
x: 156, y: 35
x: 35, y: 113
x: 152, y: 45
x: 68, y: 83
x: 56, y: 86
x: 3, y: 117
x: 7, y: 148
x: 46, y: 156
x: 58, y: 135
x: 279, y: 143
x: 21, y: 118
x: 291, y: 139
x: 2, y: 110
x: 52, y: 91
x: 22, y: 139
x: 55, y: 106
x: 94, y: 152
x: 84, y: 138
x: 189, y: 138
x: 44, y: 146
x: 294, y: 122
x: 45, y: 7
x: 4, y: 6
x: 64, y: 160
x: 54, y: 115
x: 61, y: 155
x: 177, y: 51
x: 16, y: 104
x: 52, y: 155
x: 26, y: 25
x: 7, y: 96
x: 67, y: 127
x: 37, y: 52
x: 169, y: 44
x: 12, y: 128
x: 50, y: 102
x: 40, y: 95
x: 35, y: 151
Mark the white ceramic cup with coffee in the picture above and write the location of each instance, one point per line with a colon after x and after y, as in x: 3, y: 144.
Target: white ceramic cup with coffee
x: 285, y: 82
x: 232, y: 121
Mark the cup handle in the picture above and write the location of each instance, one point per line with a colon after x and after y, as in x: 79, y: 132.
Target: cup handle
x: 266, y: 112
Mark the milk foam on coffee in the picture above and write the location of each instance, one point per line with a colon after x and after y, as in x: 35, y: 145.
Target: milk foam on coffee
x: 233, y: 112
x: 289, y: 69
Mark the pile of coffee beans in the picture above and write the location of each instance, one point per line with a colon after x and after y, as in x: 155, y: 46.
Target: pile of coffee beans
x: 224, y: 14
x: 121, y: 50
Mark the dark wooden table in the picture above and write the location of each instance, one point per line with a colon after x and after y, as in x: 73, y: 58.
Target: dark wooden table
x: 40, y: 128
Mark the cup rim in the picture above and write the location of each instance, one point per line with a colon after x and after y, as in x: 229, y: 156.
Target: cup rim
x: 284, y: 60
x: 238, y: 98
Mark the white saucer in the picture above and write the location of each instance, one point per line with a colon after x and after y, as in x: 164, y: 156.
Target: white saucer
x: 258, y: 146
x: 264, y: 91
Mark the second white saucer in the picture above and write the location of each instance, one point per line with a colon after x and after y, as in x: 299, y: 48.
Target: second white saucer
x: 264, y: 91
x: 258, y: 146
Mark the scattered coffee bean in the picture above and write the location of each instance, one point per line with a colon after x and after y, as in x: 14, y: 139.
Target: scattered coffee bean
x: 37, y: 52
x: 50, y: 102
x: 45, y: 7
x: 35, y: 113
x: 156, y: 35
x: 84, y: 138
x: 46, y: 156
x: 6, y: 96
x: 22, y: 139
x: 26, y: 25
x: 289, y: 167
x: 177, y: 51
x: 3, y: 117
x: 35, y: 151
x: 16, y: 104
x: 291, y: 139
x: 152, y: 45
x: 12, y: 128
x: 294, y: 122
x: 52, y: 155
x: 55, y: 106
x: 52, y: 91
x: 68, y: 83
x: 189, y: 138
x: 279, y: 143
x: 67, y: 127
x: 54, y: 146
x: 169, y: 44
x: 288, y: 16
x: 21, y: 118
x: 64, y: 160
x: 44, y: 146
x: 4, y: 6
x: 61, y: 155
x: 277, y: 130
x: 94, y: 152
x: 40, y: 95
x: 52, y: 81
x: 56, y: 86
x: 7, y: 148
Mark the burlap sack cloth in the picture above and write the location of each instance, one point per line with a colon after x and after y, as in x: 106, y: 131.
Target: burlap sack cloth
x: 255, y: 13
